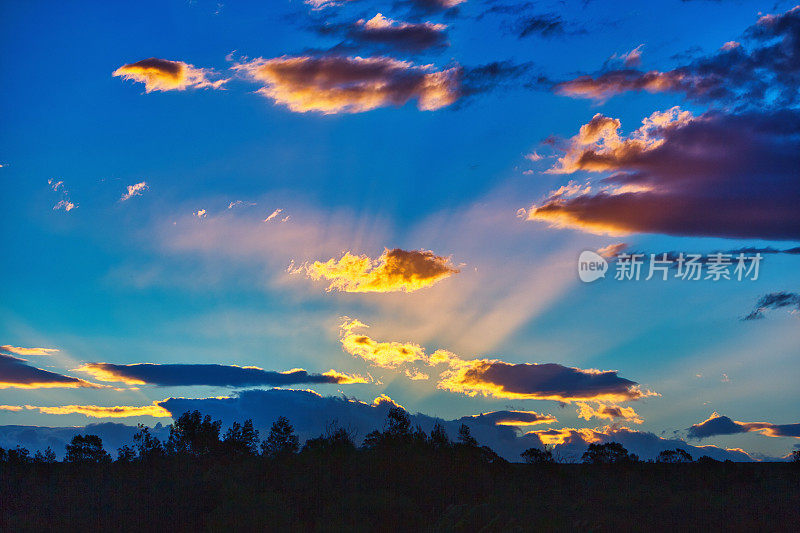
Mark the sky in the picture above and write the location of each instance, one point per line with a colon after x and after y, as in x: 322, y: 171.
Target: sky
x: 322, y: 209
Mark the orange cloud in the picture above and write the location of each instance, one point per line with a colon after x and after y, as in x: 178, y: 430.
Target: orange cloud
x: 95, y: 411
x: 11, y: 408
x: 609, y: 412
x: 555, y: 437
x: 512, y: 418
x: 382, y: 354
x: 16, y: 373
x: 395, y: 270
x: 165, y: 75
x: 339, y: 84
x: 26, y: 351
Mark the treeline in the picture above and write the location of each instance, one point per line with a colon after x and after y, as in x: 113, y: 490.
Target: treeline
x: 198, y: 436
x: 399, y: 478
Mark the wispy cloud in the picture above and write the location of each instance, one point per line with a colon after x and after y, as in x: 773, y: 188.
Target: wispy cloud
x: 165, y: 75
x: 18, y: 350
x: 331, y: 84
x: 16, y: 373
x: 134, y: 190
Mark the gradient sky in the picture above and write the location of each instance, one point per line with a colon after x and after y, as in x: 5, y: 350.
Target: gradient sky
x: 436, y: 148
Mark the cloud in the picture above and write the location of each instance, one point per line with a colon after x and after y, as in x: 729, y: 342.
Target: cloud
x: 15, y: 373
x: 200, y: 213
x: 134, y: 190
x: 531, y: 381
x: 382, y: 354
x: 775, y: 300
x: 766, y: 75
x: 491, y: 377
x: 18, y: 350
x: 174, y: 375
x: 426, y: 7
x: 511, y: 418
x: 165, y: 75
x: 96, y: 411
x: 331, y: 84
x: 398, y: 35
x: 717, y: 424
x: 610, y: 412
x: 395, y: 270
x: 712, y: 175
x: 65, y: 203
x: 273, y: 215
x: 545, y: 25
x: 612, y: 250
x: 632, y: 58
x: 322, y: 4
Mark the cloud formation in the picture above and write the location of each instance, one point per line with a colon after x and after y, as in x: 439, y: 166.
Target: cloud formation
x: 16, y: 373
x: 382, y: 354
x: 399, y: 35
x: 19, y: 350
x: 395, y: 270
x: 134, y: 190
x: 511, y: 418
x: 767, y: 75
x: 165, y: 75
x: 609, y: 412
x: 96, y: 411
x: 331, y: 84
x: 712, y: 175
x: 775, y: 300
x: 173, y: 375
x: 717, y: 424
x: 531, y: 381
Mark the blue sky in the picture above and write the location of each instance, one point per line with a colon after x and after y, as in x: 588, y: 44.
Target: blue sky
x: 147, y: 280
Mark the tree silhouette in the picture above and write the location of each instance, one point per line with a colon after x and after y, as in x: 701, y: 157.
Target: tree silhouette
x: 439, y: 438
x: 86, y: 449
x: 46, y: 457
x: 193, y: 435
x: 465, y: 436
x: 16, y: 456
x: 126, y: 454
x: 537, y: 456
x: 795, y: 457
x: 148, y: 447
x: 607, y: 453
x: 241, y: 439
x: 335, y: 439
x: 281, y: 440
x: 674, y: 456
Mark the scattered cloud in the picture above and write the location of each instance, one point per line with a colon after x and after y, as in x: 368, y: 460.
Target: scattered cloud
x: 134, y: 190
x: 16, y: 373
x: 65, y: 203
x: 165, y: 75
x: 717, y: 424
x: 395, y: 270
x: 399, y: 35
x: 18, y: 350
x: 382, y: 354
x: 711, y: 175
x: 775, y: 300
x: 511, y: 418
x: 200, y: 213
x: 764, y: 76
x: 96, y: 411
x: 331, y: 84
x: 273, y: 215
x: 610, y: 412
x: 174, y: 375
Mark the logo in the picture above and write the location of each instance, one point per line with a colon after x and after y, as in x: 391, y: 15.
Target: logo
x: 591, y: 266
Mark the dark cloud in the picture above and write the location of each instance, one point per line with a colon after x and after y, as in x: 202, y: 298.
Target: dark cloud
x: 510, y: 418
x: 546, y: 25
x: 547, y: 381
x: 173, y: 375
x: 766, y: 75
x: 521, y: 20
x: 775, y: 300
x: 16, y: 373
x: 398, y: 35
x: 717, y: 424
x: 724, y: 175
x: 429, y: 7
x: 484, y: 78
x: 331, y: 84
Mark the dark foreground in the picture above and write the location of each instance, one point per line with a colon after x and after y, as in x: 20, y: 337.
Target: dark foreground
x: 361, y: 492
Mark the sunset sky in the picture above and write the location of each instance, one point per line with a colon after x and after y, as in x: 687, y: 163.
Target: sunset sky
x: 385, y: 202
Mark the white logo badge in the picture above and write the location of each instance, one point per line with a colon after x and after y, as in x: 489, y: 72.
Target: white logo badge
x: 591, y: 266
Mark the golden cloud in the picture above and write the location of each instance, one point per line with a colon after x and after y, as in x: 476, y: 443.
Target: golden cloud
x: 26, y: 351
x: 165, y: 75
x: 609, y: 412
x: 339, y: 84
x: 382, y: 354
x: 96, y: 411
x: 395, y: 270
